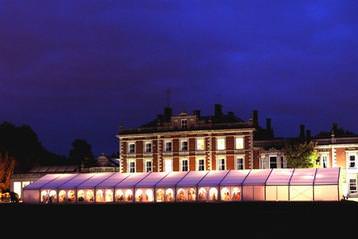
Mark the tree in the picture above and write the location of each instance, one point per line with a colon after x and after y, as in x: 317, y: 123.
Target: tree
x: 301, y: 154
x: 81, y: 152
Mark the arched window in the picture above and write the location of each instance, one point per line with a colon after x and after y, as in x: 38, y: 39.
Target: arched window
x: 119, y: 196
x: 181, y: 195
x: 99, y: 196
x: 149, y: 195
x: 62, y: 196
x: 44, y: 196
x: 139, y: 195
x: 235, y: 194
x: 213, y: 194
x: 89, y: 196
x: 80, y: 195
x: 71, y: 196
x: 191, y: 194
x: 128, y: 196
x: 159, y: 195
x: 169, y: 195
x: 202, y: 195
x: 109, y: 195
x: 225, y: 194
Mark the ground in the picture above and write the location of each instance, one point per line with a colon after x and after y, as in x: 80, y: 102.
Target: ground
x: 259, y: 219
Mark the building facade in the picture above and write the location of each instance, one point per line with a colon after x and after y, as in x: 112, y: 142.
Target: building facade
x: 187, y: 142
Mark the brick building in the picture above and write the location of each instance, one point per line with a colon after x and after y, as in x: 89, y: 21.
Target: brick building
x: 188, y: 142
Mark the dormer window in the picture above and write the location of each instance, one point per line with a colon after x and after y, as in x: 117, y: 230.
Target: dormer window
x: 184, y: 123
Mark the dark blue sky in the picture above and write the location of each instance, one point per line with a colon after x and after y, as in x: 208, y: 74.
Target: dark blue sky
x: 78, y: 69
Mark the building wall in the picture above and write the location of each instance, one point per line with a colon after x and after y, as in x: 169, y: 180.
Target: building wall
x: 210, y: 152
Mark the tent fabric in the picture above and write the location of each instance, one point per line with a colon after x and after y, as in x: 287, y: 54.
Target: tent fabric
x: 94, y: 181
x: 171, y: 179
x: 264, y: 184
x: 279, y: 177
x: 303, y: 176
x: 192, y: 179
x: 213, y: 178
x: 257, y: 177
x: 61, y: 179
x: 42, y: 181
x: 111, y: 181
x: 151, y: 180
x: 132, y: 180
x: 234, y: 178
x: 76, y: 181
x: 327, y: 176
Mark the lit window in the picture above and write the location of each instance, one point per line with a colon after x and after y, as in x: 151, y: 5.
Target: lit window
x: 184, y: 165
x: 131, y: 148
x: 168, y: 146
x: 220, y: 144
x: 352, y: 161
x: 148, y: 147
x: 184, y: 146
x: 221, y: 164
x: 168, y: 165
x: 132, y: 167
x: 148, y: 166
x: 17, y: 188
x: 239, y: 163
x: 200, y: 144
x: 184, y: 123
x: 239, y: 143
x: 201, y: 165
x: 352, y: 185
x: 273, y: 162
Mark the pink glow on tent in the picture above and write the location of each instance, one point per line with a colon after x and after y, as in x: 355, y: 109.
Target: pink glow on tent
x: 76, y: 181
x: 235, y: 178
x: 42, y: 181
x: 95, y: 180
x: 132, y: 180
x: 192, y: 179
x: 213, y: 178
x: 280, y: 177
x: 303, y: 176
x: 152, y: 179
x: 257, y: 177
x: 327, y: 176
x: 61, y: 179
x: 113, y: 180
x: 171, y: 179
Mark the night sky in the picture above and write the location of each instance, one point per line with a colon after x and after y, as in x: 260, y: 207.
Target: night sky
x: 79, y: 69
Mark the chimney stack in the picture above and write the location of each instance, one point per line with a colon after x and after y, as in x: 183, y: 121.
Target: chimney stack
x: 218, y: 111
x: 255, y: 118
x: 167, y: 113
x: 268, y: 124
x: 197, y: 113
x: 302, y: 131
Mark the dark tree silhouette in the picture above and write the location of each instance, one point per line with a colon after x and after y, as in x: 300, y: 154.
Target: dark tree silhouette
x: 81, y: 153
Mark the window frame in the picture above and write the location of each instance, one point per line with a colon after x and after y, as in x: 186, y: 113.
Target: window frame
x: 198, y: 164
x: 130, y: 162
x: 242, y: 158
x: 165, y: 146
x: 129, y: 151
x: 184, y: 126
x: 219, y: 164
x: 196, y: 144
x: 182, y: 165
x: 350, y: 185
x: 217, y: 143
x: 181, y: 145
x: 243, y: 142
x: 146, y: 166
x: 145, y: 147
x: 272, y: 156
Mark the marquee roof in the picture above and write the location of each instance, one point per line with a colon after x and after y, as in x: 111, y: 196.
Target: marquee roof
x: 285, y: 177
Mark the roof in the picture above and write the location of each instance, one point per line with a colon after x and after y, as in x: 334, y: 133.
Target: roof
x: 254, y: 177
